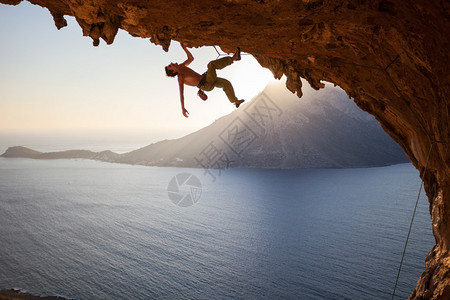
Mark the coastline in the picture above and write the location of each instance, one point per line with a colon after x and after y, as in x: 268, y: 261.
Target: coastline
x: 15, y: 294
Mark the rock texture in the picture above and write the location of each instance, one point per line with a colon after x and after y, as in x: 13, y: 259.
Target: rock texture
x: 391, y: 56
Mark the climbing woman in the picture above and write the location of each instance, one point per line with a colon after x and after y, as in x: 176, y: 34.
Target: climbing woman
x: 205, y: 82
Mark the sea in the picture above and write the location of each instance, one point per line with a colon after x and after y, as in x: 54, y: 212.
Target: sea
x: 94, y: 230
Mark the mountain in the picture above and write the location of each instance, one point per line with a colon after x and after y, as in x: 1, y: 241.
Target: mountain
x: 275, y: 130
x: 278, y: 130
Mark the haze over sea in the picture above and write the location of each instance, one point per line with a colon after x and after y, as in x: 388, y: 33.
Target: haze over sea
x: 93, y: 230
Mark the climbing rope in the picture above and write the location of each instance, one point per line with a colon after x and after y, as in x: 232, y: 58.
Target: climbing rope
x: 410, y: 225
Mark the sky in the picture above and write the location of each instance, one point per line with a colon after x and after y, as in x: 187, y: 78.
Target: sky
x: 56, y: 83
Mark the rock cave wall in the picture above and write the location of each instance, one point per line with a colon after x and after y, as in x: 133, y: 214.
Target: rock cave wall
x: 392, y: 57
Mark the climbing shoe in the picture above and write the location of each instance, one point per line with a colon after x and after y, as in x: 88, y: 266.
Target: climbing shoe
x: 239, y: 102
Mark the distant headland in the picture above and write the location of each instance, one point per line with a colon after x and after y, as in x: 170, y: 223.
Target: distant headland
x: 14, y: 294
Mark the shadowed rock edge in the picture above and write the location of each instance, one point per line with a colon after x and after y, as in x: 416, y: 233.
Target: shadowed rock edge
x: 390, y: 56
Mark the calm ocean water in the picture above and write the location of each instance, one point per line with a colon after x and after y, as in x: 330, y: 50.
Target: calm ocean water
x: 93, y: 230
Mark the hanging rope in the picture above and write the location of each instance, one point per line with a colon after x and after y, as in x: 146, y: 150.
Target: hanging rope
x: 410, y: 225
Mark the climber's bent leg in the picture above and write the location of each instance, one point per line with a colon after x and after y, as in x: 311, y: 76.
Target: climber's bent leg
x: 220, y: 63
x: 227, y: 88
x: 217, y: 64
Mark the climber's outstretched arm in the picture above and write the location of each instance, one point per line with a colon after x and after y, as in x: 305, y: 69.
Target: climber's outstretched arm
x: 181, y: 86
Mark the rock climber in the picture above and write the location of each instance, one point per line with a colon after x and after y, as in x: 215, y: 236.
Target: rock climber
x: 205, y: 82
